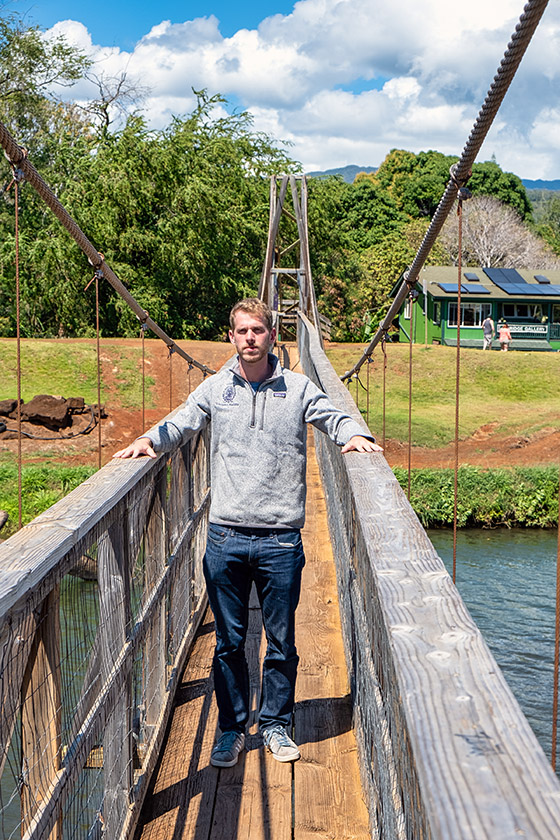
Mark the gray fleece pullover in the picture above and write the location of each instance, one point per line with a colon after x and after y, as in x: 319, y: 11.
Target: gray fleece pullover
x: 258, y: 450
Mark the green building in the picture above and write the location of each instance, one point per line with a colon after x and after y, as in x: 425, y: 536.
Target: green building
x: 528, y: 300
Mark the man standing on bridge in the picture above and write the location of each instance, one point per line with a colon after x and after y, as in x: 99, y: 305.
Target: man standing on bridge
x: 259, y: 413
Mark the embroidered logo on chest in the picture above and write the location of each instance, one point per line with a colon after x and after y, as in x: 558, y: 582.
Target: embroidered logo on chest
x: 228, y: 394
x: 279, y: 394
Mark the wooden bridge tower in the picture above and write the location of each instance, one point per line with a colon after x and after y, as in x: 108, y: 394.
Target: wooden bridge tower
x: 286, y: 282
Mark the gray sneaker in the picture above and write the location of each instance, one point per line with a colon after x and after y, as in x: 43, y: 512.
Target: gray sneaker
x: 280, y: 744
x: 227, y: 748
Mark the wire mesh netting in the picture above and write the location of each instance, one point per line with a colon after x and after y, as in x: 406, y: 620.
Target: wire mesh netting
x: 86, y: 656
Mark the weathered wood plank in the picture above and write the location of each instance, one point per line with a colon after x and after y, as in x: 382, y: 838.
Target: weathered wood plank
x: 328, y: 799
x: 41, y: 714
x: 155, y: 653
x: 114, y: 624
x: 15, y: 645
x: 180, y: 801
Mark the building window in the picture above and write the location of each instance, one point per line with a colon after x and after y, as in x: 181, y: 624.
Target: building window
x: 556, y: 313
x: 522, y: 310
x: 406, y: 313
x: 437, y: 312
x: 472, y: 314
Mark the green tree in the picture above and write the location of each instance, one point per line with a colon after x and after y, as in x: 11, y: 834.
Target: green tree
x: 369, y: 213
x: 549, y: 226
x: 384, y: 263
x: 489, y: 179
x: 32, y: 67
x: 181, y: 215
x: 416, y: 182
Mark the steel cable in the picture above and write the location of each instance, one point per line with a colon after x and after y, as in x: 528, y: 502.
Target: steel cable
x: 98, y: 347
x: 410, y: 393
x: 18, y: 346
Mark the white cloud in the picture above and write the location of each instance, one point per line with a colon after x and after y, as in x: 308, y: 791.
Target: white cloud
x: 428, y: 65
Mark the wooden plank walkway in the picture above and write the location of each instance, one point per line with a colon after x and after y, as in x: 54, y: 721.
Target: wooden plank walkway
x: 319, y: 796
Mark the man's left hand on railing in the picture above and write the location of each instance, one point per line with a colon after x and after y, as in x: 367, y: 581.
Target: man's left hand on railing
x: 361, y: 444
x: 141, y: 446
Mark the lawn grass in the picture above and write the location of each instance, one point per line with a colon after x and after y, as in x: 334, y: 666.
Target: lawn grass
x: 69, y: 368
x: 518, y: 390
x: 42, y: 486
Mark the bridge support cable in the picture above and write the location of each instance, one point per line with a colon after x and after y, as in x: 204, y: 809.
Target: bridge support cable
x: 16, y: 180
x: 463, y: 194
x: 412, y: 295
x: 556, y: 647
x: 17, y: 157
x: 384, y: 400
x: 280, y: 277
x: 95, y: 279
x: 461, y: 171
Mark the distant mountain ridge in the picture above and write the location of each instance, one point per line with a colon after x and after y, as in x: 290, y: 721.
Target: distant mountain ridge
x: 540, y: 185
x: 348, y: 174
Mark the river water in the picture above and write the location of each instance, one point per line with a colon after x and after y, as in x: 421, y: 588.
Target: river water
x: 507, y: 578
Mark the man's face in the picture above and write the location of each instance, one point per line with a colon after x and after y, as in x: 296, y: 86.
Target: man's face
x: 251, y: 337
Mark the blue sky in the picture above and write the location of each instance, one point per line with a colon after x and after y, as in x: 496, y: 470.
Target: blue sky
x: 124, y: 23
x: 343, y: 81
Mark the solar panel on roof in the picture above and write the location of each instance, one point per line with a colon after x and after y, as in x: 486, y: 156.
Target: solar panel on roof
x: 451, y: 287
x: 504, y: 275
x: 475, y: 290
x: 550, y: 290
x: 512, y: 275
x: 470, y: 275
x: 540, y: 278
x: 505, y: 287
x: 522, y: 289
x: 495, y: 275
x: 526, y: 289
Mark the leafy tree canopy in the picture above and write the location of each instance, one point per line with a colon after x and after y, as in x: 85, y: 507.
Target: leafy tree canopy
x: 181, y: 216
x: 32, y: 66
x: 416, y: 182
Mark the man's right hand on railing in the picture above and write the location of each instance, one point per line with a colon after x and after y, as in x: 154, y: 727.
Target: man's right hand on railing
x: 141, y: 446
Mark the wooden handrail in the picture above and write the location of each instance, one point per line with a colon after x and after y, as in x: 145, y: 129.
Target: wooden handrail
x: 446, y: 752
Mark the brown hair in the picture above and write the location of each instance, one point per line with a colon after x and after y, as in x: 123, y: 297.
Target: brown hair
x: 253, y: 306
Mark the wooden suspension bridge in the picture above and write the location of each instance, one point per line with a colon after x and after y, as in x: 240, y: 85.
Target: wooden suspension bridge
x: 407, y: 727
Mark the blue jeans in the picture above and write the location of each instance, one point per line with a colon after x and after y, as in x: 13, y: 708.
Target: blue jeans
x: 272, y: 558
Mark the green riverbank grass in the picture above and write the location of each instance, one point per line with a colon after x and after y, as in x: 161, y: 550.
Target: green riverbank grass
x: 42, y: 486
x: 518, y: 391
x: 520, y: 497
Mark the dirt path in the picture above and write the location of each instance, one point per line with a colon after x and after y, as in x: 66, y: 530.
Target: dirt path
x: 485, y: 448
x: 123, y: 425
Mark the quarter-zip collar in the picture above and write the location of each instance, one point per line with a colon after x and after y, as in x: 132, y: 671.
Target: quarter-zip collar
x: 276, y: 367
x: 273, y: 361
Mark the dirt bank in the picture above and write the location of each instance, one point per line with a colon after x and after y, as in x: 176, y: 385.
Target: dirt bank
x: 485, y: 448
